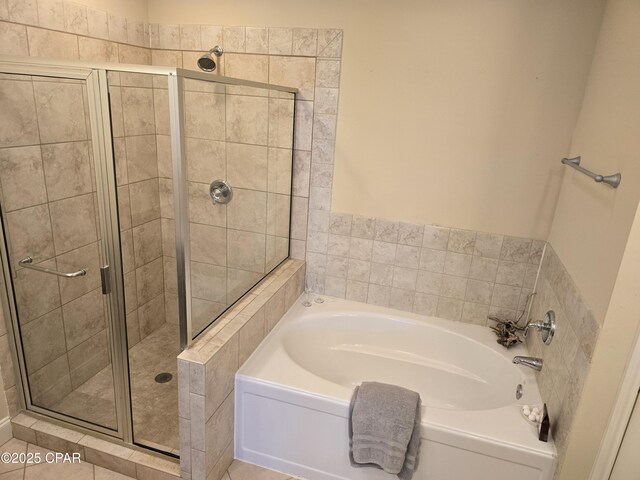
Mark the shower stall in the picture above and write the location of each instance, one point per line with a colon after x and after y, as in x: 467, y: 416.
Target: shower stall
x: 138, y: 204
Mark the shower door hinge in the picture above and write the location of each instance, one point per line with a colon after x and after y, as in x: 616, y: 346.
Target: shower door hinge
x: 106, y: 279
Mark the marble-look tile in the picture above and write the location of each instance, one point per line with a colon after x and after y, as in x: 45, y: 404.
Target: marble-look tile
x: 474, y: 313
x: 83, y: 318
x: 247, y: 119
x: 281, y: 121
x: 407, y: 256
x: 299, y: 72
x: 326, y: 100
x: 234, y: 39
x: 67, y: 169
x: 429, y: 282
x: 251, y: 334
x: 147, y: 242
x: 205, y: 115
x: 68, y: 231
x: 515, y: 249
x: 462, y: 241
x: 23, y: 11
x: 449, y: 308
x: 327, y: 73
x: 304, y: 126
x: 208, y: 244
x: 205, y: 159
x: 322, y: 150
x: 201, y: 209
x: 246, y: 250
x: 51, y: 14
x: 151, y: 316
x: 511, y: 273
x: 76, y: 18
x: 145, y: 201
x: 479, y: 292
x: 457, y: 264
x: 210, y: 36
x: 97, y: 23
x: 330, y: 43
x: 95, y: 50
x: 30, y: 233
x: 488, y: 245
x: 378, y: 295
x: 36, y: 294
x: 165, y: 190
x: 257, y: 40
x: 21, y: 167
x: 280, y: 41
x: 13, y: 39
x: 190, y: 38
x: 18, y: 121
x: 425, y: 304
x: 505, y: 296
x: 117, y: 28
x: 248, y: 212
x: 142, y: 161
x: 169, y: 36
x: 43, y: 340
x: 60, y: 110
x: 305, y: 41
x: 137, y: 105
x: 86, y: 258
x: 247, y: 166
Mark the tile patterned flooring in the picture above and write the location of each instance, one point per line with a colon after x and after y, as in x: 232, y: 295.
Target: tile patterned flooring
x: 155, y: 405
x: 87, y: 471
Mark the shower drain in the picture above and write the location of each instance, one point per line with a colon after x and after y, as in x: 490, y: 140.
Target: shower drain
x: 163, y: 377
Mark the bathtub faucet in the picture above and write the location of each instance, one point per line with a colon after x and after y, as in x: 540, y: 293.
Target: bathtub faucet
x: 533, y: 362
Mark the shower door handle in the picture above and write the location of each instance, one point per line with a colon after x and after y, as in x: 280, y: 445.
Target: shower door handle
x: 105, y: 279
x: 27, y: 263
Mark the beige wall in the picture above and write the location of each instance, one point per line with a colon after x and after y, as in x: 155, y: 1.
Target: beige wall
x: 596, y: 230
x: 592, y: 221
x: 454, y: 113
x: 617, y: 338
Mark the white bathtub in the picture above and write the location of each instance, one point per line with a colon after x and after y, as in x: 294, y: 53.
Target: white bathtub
x: 292, y: 395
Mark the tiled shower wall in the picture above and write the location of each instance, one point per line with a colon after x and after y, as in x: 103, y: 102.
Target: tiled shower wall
x: 568, y: 359
x: 137, y: 102
x: 48, y: 196
x: 308, y: 59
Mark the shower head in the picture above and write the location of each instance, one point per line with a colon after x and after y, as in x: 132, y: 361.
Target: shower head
x: 206, y: 62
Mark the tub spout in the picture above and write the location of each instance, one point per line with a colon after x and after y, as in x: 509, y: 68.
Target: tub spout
x: 532, y: 362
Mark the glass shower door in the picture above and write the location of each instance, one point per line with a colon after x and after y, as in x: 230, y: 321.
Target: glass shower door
x: 54, y: 252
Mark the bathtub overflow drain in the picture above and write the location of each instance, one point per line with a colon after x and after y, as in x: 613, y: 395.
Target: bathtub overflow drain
x: 163, y: 377
x: 519, y: 391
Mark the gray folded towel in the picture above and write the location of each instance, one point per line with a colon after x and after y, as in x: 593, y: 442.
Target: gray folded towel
x: 384, y: 428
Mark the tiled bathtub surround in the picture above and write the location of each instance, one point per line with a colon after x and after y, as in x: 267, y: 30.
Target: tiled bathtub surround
x: 207, y: 369
x: 567, y: 360
x: 431, y: 270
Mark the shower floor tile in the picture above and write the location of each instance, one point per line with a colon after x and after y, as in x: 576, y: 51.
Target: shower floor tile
x: 155, y: 405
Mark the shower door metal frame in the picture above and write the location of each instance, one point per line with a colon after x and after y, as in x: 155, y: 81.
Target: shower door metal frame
x: 95, y: 81
x: 95, y: 75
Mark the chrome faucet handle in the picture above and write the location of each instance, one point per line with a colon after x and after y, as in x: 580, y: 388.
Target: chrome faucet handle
x: 546, y: 326
x: 220, y: 192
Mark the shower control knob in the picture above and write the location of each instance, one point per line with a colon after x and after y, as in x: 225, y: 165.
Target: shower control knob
x: 220, y: 192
